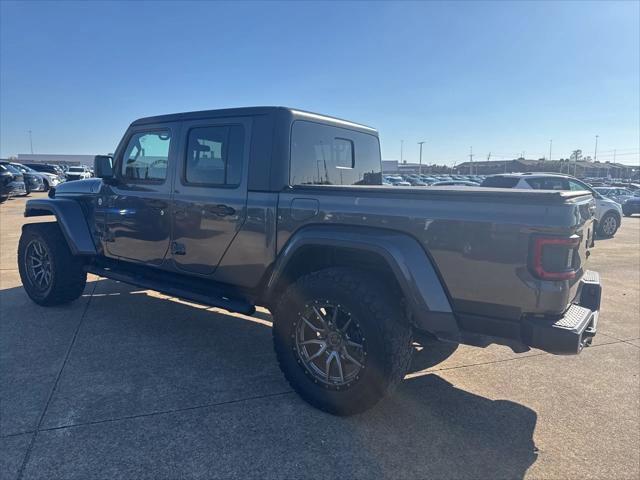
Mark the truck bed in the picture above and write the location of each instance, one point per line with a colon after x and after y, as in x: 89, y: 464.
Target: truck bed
x: 478, y: 238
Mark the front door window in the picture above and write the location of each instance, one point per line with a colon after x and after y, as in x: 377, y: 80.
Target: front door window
x: 146, y: 157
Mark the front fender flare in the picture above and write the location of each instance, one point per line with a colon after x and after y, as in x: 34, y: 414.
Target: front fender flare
x: 70, y: 218
x: 413, y: 269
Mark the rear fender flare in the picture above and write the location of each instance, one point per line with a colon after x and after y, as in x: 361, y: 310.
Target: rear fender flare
x: 412, y: 267
x: 70, y: 218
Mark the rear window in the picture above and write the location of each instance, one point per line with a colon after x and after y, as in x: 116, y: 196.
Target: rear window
x: 326, y: 155
x: 500, y: 182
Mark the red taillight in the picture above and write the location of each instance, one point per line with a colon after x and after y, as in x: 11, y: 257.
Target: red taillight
x: 558, y: 264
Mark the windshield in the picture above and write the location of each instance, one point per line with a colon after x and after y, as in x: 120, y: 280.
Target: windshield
x: 22, y: 168
x: 76, y: 169
x: 12, y: 169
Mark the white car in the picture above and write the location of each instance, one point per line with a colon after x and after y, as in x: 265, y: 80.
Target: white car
x: 608, y: 212
x: 78, y: 173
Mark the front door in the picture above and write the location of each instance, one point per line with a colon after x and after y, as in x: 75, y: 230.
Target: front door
x: 138, y: 220
x: 210, y: 191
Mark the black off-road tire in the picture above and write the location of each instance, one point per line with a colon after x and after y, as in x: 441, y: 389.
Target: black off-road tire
x: 68, y: 277
x: 381, y: 318
x: 601, y: 225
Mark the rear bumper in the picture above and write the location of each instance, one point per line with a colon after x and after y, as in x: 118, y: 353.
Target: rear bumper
x: 575, y: 329
x: 565, y: 334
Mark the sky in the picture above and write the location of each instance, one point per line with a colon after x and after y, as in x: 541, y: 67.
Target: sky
x: 503, y: 78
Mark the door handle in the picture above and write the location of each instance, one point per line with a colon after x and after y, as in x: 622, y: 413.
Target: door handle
x: 222, y: 210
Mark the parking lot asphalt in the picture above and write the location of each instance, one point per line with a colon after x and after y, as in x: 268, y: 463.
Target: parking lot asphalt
x: 127, y: 383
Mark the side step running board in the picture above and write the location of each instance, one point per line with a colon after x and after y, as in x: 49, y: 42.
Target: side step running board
x: 211, y: 298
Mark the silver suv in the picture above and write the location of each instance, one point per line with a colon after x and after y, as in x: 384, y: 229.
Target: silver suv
x: 608, y: 212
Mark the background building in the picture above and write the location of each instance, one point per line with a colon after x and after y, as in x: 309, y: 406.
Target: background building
x: 581, y: 168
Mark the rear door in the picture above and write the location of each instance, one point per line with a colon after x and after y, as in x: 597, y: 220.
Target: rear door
x: 210, y: 191
x: 138, y: 225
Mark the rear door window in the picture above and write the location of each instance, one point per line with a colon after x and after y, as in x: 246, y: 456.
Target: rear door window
x: 214, y: 155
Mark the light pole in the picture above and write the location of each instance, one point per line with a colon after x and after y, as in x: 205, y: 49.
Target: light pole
x: 420, y: 170
x: 401, y: 148
x: 550, y: 146
x: 595, y: 151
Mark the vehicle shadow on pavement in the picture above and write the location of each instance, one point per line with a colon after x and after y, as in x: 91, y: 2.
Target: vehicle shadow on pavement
x: 205, y: 386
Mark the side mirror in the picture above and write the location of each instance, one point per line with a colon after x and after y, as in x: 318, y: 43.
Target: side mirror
x: 103, y: 168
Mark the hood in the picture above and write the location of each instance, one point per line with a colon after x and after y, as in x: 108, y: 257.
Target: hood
x: 86, y: 186
x: 39, y: 175
x: 606, y: 202
x: 49, y: 175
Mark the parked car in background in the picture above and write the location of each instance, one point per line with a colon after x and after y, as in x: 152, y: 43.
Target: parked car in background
x: 616, y: 194
x: 52, y: 174
x: 631, y: 206
x: 455, y: 183
x: 634, y: 187
x: 415, y: 182
x: 78, y: 173
x: 396, y: 181
x: 6, y: 177
x: 33, y: 181
x: 608, y: 212
x: 13, y: 183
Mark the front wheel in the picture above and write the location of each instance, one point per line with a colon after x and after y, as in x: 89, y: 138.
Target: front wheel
x: 608, y: 225
x: 342, y: 340
x: 50, y: 274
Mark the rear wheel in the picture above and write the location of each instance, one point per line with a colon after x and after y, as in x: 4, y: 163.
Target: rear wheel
x: 50, y: 274
x: 608, y: 225
x: 342, y: 340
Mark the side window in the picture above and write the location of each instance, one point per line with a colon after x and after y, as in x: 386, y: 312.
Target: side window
x: 573, y: 185
x: 147, y: 156
x: 343, y: 153
x: 547, y: 183
x: 214, y: 155
x: 327, y: 155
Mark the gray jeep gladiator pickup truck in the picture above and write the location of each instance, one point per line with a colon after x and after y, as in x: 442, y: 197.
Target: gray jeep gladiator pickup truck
x: 285, y: 209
